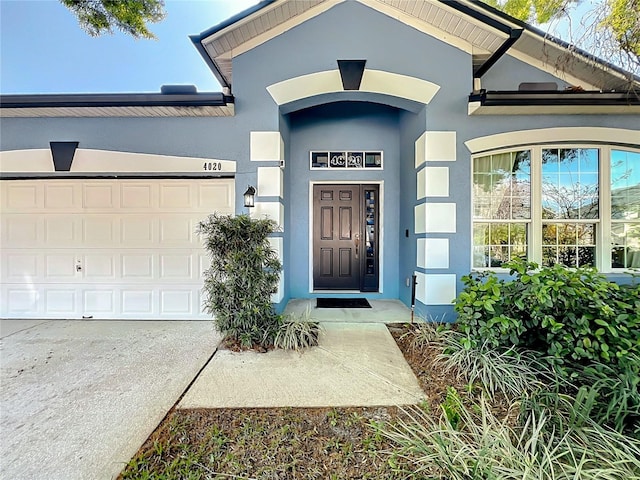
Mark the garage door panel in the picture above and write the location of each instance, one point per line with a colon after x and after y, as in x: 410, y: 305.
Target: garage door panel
x: 100, y: 230
x: 62, y: 230
x: 22, y: 196
x: 137, y: 266
x: 62, y: 196
x: 60, y: 267
x: 100, y: 196
x: 18, y: 266
x: 100, y: 266
x: 61, y: 301
x: 138, y: 230
x: 178, y: 230
x: 107, y: 248
x: 176, y: 266
x: 219, y: 197
x: 99, y: 303
x: 138, y: 196
x: 137, y: 302
x: 176, y: 196
x: 22, y: 230
x: 22, y: 300
x: 176, y: 302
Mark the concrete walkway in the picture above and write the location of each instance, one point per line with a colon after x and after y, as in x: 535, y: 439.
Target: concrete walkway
x: 356, y: 364
x: 78, y: 398
x: 381, y: 311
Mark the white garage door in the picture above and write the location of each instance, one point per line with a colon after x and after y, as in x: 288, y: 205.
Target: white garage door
x: 106, y: 248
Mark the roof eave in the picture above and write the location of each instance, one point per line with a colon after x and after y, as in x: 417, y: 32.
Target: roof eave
x: 553, y: 102
x: 215, y: 99
x: 199, y: 38
x: 561, y: 43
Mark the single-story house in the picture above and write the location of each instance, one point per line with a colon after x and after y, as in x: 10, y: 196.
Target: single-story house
x: 386, y: 138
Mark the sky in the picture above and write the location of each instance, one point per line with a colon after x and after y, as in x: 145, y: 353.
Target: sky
x: 43, y: 50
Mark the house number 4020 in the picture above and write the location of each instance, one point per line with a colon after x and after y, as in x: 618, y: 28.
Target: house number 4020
x: 212, y: 166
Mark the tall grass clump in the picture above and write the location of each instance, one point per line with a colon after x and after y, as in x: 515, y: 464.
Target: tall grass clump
x: 482, y: 445
x: 296, y: 333
x: 509, y: 372
x: 424, y: 334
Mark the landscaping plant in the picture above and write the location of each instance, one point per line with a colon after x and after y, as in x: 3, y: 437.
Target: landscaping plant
x: 296, y: 333
x: 584, y: 326
x: 570, y: 315
x: 244, y: 272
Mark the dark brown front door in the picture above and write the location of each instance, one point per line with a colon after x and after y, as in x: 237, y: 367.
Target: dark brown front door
x: 341, y: 259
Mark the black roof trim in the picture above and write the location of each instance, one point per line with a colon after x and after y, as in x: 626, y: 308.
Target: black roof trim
x: 197, y: 39
x: 554, y: 97
x: 514, y: 35
x: 197, y: 42
x: 536, y: 31
x: 459, y: 6
x: 215, y: 99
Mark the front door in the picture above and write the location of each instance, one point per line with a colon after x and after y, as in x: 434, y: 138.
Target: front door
x: 345, y: 237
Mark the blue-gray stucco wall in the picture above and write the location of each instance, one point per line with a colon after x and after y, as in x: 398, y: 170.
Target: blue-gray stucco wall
x: 349, y: 30
x: 342, y: 126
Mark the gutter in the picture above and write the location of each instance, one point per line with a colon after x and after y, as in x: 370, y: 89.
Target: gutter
x: 216, y: 99
x: 198, y: 39
x: 554, y: 97
x: 513, y: 36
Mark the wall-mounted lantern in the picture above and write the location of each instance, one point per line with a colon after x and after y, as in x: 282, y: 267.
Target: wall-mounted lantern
x: 249, y: 197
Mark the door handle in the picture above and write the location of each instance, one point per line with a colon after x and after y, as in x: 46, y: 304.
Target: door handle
x: 357, y: 242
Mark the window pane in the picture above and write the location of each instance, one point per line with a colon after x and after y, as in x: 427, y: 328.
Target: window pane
x: 570, y: 183
x: 625, y: 185
x: 496, y: 243
x: 570, y: 244
x: 625, y: 252
x: 502, y: 186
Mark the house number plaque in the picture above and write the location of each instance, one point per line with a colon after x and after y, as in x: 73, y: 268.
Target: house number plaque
x: 320, y: 160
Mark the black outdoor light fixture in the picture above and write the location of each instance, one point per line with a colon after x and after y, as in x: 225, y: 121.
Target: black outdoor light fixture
x: 249, y: 197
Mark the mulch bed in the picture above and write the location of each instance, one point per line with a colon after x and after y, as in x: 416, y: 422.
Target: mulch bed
x: 286, y: 443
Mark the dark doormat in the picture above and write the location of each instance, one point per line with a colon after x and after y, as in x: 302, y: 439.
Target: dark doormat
x: 342, y: 303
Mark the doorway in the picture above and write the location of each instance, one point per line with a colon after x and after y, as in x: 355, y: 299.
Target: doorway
x: 346, y: 237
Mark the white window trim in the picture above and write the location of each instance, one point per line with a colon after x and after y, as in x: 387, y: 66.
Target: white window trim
x: 603, y: 222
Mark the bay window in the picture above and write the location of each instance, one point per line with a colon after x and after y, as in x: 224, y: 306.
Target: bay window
x: 570, y: 205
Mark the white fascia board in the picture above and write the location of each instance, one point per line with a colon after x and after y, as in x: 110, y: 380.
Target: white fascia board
x: 554, y: 135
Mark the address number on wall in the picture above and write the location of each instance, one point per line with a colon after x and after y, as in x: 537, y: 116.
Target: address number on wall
x: 362, y: 159
x: 212, y: 166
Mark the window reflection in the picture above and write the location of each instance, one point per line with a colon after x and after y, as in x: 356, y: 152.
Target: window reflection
x: 570, y: 183
x: 625, y: 209
x: 501, y: 201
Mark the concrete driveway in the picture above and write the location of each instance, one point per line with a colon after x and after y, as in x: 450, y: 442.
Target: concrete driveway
x: 78, y: 398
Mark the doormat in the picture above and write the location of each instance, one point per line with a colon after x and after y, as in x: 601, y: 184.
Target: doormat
x: 342, y: 303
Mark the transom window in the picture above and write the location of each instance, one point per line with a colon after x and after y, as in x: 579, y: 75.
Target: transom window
x: 569, y: 205
x: 342, y: 159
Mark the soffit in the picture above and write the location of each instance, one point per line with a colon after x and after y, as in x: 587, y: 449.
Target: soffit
x: 437, y: 18
x: 129, y: 111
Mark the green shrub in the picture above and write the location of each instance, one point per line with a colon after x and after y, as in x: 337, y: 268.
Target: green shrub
x: 244, y: 272
x: 569, y: 315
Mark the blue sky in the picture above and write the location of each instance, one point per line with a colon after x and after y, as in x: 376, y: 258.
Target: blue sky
x: 43, y: 50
